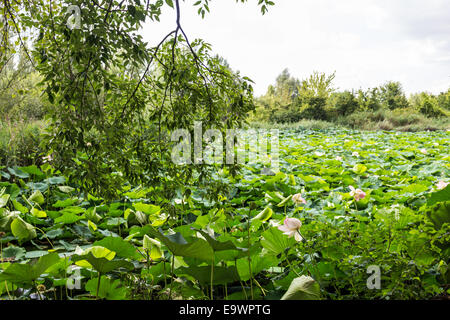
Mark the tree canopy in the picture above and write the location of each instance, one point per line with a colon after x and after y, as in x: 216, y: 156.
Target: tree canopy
x: 114, y: 99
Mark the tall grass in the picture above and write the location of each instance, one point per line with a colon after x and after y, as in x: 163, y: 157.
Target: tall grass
x: 401, y: 120
x: 19, y: 143
x: 301, y: 125
x: 387, y: 120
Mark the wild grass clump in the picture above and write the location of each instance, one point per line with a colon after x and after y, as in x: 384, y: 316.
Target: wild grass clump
x: 300, y: 125
x: 20, y: 143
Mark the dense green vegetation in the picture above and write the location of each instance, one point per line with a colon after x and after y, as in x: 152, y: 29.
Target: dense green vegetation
x: 93, y: 207
x: 386, y: 107
x: 199, y: 245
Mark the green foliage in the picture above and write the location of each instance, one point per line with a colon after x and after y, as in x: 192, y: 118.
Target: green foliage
x: 291, y: 100
x: 393, y: 97
x: 429, y: 105
x: 344, y: 103
x: 444, y: 100
x: 113, y: 204
x: 401, y: 226
x: 317, y: 85
x: 23, y: 273
x: 302, y: 288
x: 313, y: 108
x: 20, y: 143
x: 113, y: 101
x: 369, y: 99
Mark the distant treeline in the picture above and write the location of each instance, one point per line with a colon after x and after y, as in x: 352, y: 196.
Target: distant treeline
x: 291, y: 100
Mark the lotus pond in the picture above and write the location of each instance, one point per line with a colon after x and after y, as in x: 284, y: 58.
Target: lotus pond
x: 349, y: 215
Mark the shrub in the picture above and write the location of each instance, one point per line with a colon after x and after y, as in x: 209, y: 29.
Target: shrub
x: 344, y: 103
x: 393, y: 97
x: 428, y: 105
x: 313, y: 108
x: 444, y: 100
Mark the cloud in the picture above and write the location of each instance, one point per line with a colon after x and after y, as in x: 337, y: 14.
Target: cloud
x: 367, y: 42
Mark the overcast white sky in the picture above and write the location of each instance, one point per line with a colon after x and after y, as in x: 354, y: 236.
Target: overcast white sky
x: 367, y: 42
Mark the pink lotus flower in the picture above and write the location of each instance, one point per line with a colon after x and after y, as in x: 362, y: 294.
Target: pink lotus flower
x: 358, y: 194
x: 291, y: 228
x: 442, y: 185
x: 338, y: 158
x: 298, y: 199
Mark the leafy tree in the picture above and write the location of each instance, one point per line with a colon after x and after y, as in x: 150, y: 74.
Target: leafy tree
x: 291, y: 100
x: 313, y: 108
x: 313, y: 95
x: 317, y: 85
x: 278, y: 103
x: 428, y: 105
x: 369, y: 99
x: 114, y: 99
x: 393, y: 97
x: 444, y: 100
x: 345, y: 103
x: 286, y: 87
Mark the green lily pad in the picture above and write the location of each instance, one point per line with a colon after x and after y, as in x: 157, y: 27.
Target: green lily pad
x: 303, y: 288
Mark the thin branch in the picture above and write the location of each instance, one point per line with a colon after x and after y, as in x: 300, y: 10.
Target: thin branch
x: 145, y: 72
x: 7, y: 6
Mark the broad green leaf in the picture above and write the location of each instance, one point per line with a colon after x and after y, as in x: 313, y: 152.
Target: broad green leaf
x: 221, y: 275
x: 439, y: 196
x: 109, y: 289
x: 63, y: 203
x: 18, y: 173
x: 33, y: 170
x: 23, y: 273
x: 4, y: 200
x: 258, y: 264
x: 439, y: 214
x: 414, y: 188
x: 102, y: 265
x: 153, y: 246
x: 97, y: 252
x: 359, y: 169
x: 18, y: 206
x: 199, y: 248
x: 38, y: 213
x: 92, y: 226
x: 218, y: 245
x: 121, y: 247
x: 37, y: 197
x: 56, y: 180
x: 264, y: 215
x: 6, y: 217
x: 68, y: 218
x: 303, y: 288
x: 13, y: 252
x: 22, y: 230
x: 275, y: 241
x: 147, y: 208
